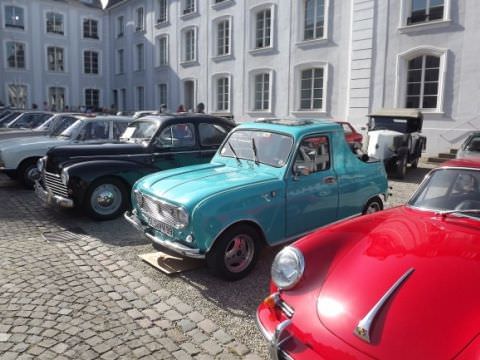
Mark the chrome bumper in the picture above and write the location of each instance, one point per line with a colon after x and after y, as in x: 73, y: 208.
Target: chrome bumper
x: 170, y: 245
x: 49, y: 198
x: 276, y: 339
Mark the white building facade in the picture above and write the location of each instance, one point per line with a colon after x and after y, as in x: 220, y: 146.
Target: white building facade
x: 274, y: 58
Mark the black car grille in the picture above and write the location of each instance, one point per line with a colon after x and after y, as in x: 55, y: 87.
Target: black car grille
x: 53, y: 182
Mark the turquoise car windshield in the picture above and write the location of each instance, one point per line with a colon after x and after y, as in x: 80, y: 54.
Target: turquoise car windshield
x: 450, y: 191
x: 260, y: 146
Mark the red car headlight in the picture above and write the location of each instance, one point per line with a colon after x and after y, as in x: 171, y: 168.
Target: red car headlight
x: 288, y: 267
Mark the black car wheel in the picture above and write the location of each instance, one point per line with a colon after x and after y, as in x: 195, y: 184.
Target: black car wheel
x: 372, y: 206
x: 414, y: 163
x: 401, y: 167
x: 235, y: 252
x: 26, y: 171
x: 106, y: 199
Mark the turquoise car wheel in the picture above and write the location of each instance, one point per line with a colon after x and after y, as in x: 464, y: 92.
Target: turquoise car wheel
x: 235, y: 252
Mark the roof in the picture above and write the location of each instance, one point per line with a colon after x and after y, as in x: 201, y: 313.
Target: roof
x: 466, y: 163
x: 295, y: 127
x: 397, y: 112
x: 113, y: 3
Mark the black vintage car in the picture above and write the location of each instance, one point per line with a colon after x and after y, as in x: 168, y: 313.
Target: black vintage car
x: 99, y: 177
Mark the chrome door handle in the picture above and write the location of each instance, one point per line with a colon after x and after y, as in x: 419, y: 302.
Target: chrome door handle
x: 330, y: 180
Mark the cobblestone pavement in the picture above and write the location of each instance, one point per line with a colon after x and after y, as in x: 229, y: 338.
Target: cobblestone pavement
x: 84, y: 293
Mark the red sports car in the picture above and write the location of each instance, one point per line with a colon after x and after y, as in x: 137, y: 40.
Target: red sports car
x: 351, y: 135
x: 403, y: 283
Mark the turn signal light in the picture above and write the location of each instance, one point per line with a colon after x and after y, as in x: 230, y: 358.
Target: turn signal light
x: 271, y: 300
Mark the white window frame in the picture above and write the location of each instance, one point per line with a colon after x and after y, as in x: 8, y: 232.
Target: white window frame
x: 253, y: 27
x: 84, y: 92
x: 25, y: 54
x: 183, y: 8
x: 120, y: 28
x: 120, y: 62
x: 406, y: 12
x: 65, y: 68
x: 216, y: 22
x: 140, y: 27
x: 91, y: 18
x: 98, y: 62
x: 7, y: 85
x: 186, y: 61
x: 137, y: 97
x: 298, y: 86
x: 214, y: 105
x: 222, y: 4
x: 64, y: 27
x: 139, y: 65
x: 158, y: 52
x: 271, y: 88
x: 65, y: 94
x: 158, y: 9
x: 402, y: 70
x: 159, y: 93
x: 195, y: 92
x: 13, y: 28
x: 301, y: 25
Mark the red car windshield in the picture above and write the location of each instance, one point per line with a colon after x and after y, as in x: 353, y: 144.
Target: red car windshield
x: 450, y: 190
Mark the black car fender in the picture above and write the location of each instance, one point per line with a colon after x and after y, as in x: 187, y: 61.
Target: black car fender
x: 83, y: 174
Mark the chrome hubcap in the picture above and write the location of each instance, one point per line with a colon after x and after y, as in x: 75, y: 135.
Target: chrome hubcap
x: 33, y: 174
x: 239, y: 253
x: 106, y: 199
x: 373, y: 207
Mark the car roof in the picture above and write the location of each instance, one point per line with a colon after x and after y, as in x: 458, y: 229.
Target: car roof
x: 397, y: 112
x: 296, y: 127
x: 174, y: 118
x: 105, y: 117
x: 464, y: 163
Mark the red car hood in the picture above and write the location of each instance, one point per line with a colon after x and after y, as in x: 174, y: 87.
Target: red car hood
x: 433, y: 314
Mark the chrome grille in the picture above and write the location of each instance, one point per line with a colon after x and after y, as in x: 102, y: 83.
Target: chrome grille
x: 53, y: 182
x: 157, y: 210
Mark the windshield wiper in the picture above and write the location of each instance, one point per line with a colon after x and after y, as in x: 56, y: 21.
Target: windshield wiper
x: 233, y: 151
x: 459, y: 211
x: 254, y: 148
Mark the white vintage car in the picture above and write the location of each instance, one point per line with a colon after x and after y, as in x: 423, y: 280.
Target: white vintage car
x: 19, y: 156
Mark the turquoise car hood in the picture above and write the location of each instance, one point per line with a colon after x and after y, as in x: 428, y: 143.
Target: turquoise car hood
x: 189, y: 185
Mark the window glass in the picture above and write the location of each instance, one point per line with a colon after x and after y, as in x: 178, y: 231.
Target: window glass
x: 188, y: 6
x: 14, y: 17
x: 223, y: 38
x: 162, y: 11
x: 190, y: 45
x: 59, y: 126
x: 119, y: 128
x: 55, y: 23
x: 313, y: 155
x: 17, y: 96
x: 90, y: 62
x: 94, y: 130
x: 311, y: 89
x: 55, y: 59
x: 90, y: 29
x: 16, y: 55
x: 263, y: 29
x: 211, y: 134
x: 426, y: 10
x: 314, y: 19
x: 422, y: 82
x: 178, y: 135
x: 223, y: 94
x: 262, y: 92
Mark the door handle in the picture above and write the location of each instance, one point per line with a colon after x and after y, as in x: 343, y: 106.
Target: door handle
x: 330, y: 180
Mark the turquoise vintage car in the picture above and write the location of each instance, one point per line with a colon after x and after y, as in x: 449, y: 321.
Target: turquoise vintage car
x: 270, y: 182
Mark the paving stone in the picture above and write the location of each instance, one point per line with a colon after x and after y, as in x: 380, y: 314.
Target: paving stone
x: 187, y: 325
x: 181, y: 355
x: 208, y: 326
x: 4, y: 336
x: 212, y: 347
x: 190, y: 348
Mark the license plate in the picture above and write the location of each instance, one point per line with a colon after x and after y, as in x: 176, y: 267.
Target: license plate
x: 160, y: 226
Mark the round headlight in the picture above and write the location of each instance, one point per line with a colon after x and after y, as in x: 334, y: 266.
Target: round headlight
x: 288, y: 267
x: 40, y: 164
x: 64, y: 177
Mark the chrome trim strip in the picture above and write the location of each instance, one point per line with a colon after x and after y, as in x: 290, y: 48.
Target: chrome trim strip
x: 278, y: 339
x: 173, y: 246
x: 362, y: 330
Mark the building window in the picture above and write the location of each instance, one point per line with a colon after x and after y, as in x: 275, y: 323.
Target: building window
x: 17, y: 96
x: 140, y: 19
x: 15, y: 55
x: 92, y: 98
x: 140, y: 65
x: 90, y: 62
x: 56, y: 98
x: 90, y: 29
x: 426, y: 10
x: 123, y: 98
x: 314, y: 19
x: 263, y: 28
x: 14, y: 17
x: 311, y: 89
x: 120, y: 61
x: 140, y: 97
x: 423, y: 82
x: 115, y: 99
x: 223, y: 38
x: 162, y: 12
x: 55, y: 59
x: 55, y: 23
x: 188, y: 7
x: 162, y: 95
x: 162, y: 43
x: 261, y: 101
x: 222, y: 94
x: 120, y: 26
x: 190, y: 45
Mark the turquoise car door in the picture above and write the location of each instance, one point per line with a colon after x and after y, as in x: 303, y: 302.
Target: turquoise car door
x: 312, y: 190
x: 176, y: 146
